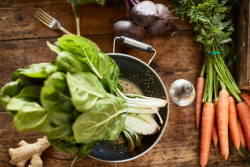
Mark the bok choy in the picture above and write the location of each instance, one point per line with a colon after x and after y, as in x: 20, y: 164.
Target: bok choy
x: 77, y: 101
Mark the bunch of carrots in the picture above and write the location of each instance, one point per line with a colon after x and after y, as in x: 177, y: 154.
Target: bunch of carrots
x: 221, y: 108
x: 223, y: 101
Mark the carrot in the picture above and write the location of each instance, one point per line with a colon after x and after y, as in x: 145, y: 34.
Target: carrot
x: 242, y: 137
x: 223, y: 106
x: 215, y: 135
x: 244, y: 115
x: 199, y: 95
x: 245, y: 97
x: 206, y: 132
x: 215, y: 101
x: 232, y: 121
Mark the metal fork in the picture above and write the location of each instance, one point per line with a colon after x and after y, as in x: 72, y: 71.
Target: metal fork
x: 49, y: 21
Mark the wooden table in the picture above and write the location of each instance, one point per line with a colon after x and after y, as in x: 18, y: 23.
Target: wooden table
x: 23, y: 42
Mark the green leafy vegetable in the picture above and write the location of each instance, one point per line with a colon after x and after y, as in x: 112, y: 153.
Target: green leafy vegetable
x: 56, y: 99
x: 85, y: 90
x: 103, y: 119
x: 30, y: 93
x: 85, y: 149
x: 131, y: 141
x: 84, y: 49
x: 41, y: 70
x: 67, y: 62
x: 53, y: 131
x: 8, y: 91
x: 28, y: 113
x: 55, y: 48
x: 99, y: 63
x: 29, y: 116
x: 76, y: 101
x: 63, y: 145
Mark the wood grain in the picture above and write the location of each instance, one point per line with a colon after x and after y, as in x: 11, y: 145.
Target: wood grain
x: 17, y: 19
x: 243, y: 43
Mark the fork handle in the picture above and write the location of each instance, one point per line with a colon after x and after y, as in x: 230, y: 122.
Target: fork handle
x: 64, y: 30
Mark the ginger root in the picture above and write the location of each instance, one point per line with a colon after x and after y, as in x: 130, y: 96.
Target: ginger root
x: 25, y: 151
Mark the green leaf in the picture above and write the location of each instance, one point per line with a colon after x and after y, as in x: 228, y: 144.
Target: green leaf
x: 110, y: 72
x: 30, y: 93
x: 104, y: 121
x: 85, y: 149
x: 99, y: 63
x: 203, y: 32
x: 67, y: 62
x: 54, y: 48
x: 199, y: 38
x: 15, y: 76
x: 130, y: 140
x: 41, y: 70
x: 226, y: 40
x: 63, y: 145
x: 59, y: 132
x: 84, y: 49
x: 53, y: 131
x: 56, y: 100
x: 8, y: 91
x: 101, y: 2
x: 215, y: 20
x: 85, y: 90
x: 210, y: 41
x: 29, y: 116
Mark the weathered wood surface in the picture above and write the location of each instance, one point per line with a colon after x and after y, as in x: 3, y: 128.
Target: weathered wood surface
x: 243, y: 43
x: 17, y: 19
x: 23, y: 42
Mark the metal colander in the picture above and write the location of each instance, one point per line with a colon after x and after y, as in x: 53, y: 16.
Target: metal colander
x: 136, y: 77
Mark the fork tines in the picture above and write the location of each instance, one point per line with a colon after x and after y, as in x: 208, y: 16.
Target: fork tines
x: 44, y: 18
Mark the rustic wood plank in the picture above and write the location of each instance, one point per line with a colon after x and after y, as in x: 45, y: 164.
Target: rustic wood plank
x: 17, y: 19
x: 243, y: 43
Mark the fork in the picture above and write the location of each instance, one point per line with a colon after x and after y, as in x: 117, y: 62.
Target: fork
x: 49, y: 21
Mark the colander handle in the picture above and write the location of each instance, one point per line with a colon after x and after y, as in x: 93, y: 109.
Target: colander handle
x: 136, y: 44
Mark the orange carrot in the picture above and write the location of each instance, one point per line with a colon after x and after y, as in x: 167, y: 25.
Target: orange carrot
x: 223, y: 106
x: 200, y: 86
x: 206, y: 132
x: 216, y: 113
x: 245, y: 97
x: 232, y: 121
x: 242, y: 137
x: 244, y: 115
x: 215, y: 135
